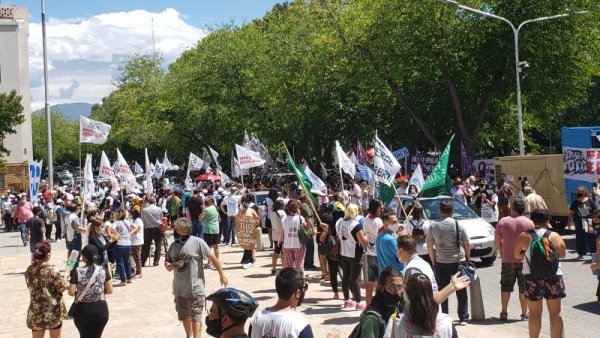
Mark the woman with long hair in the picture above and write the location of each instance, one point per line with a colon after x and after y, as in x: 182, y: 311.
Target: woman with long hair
x: 123, y: 249
x: 292, y: 249
x: 581, y: 214
x: 277, y: 216
x: 421, y: 315
x: 99, y: 238
x: 137, y: 239
x: 353, y: 239
x: 270, y: 201
x: 46, y: 286
x: 89, y: 284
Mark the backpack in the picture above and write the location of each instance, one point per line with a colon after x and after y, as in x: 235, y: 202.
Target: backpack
x: 356, y: 332
x: 544, y: 257
x: 417, y: 233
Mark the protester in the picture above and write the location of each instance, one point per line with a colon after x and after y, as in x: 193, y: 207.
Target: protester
x: 293, y: 251
x: 282, y: 319
x: 353, y: 239
x: 230, y: 206
x: 421, y: 315
x: 507, y: 231
x: 210, y: 225
x: 329, y: 235
x: 24, y: 213
x: 194, y: 206
x: 245, y: 214
x: 448, y: 254
x: 596, y: 265
x: 137, y: 240
x: 386, y: 242
x: 533, y: 200
x: 551, y: 288
x: 269, y: 202
x: 371, y: 228
x: 46, y: 286
x: 173, y: 206
x: 35, y: 229
x: 98, y: 238
x: 122, y: 250
x: 74, y: 229
x: 277, y: 216
x: 229, y: 312
x: 503, y: 191
x: 307, y: 212
x: 385, y: 304
x: 580, y: 214
x: 458, y: 190
x: 489, y: 205
x: 152, y: 218
x: 417, y: 228
x: 89, y: 284
x: 185, y: 257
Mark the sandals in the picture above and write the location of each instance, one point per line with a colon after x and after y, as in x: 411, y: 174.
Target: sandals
x: 504, y: 316
x: 524, y: 316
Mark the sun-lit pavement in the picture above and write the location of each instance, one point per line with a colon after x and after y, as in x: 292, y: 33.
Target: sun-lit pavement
x: 146, y: 309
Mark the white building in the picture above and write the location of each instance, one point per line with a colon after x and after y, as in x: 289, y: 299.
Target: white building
x: 14, y: 75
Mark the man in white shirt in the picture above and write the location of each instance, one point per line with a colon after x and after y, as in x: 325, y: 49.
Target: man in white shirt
x: 356, y: 193
x: 371, y: 228
x: 231, y: 207
x: 281, y: 319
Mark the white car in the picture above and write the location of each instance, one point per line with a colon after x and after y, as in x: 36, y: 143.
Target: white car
x: 480, y: 232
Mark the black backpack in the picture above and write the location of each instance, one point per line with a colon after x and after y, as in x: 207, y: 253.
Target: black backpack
x: 417, y: 233
x: 544, y: 257
x: 356, y: 331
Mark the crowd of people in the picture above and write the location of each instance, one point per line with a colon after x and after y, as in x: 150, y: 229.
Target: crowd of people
x: 411, y: 267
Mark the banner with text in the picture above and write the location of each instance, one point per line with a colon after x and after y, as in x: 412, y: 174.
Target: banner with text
x: 91, y: 131
x: 385, y: 164
x: 247, y: 158
x: 35, y: 176
x: 581, y: 164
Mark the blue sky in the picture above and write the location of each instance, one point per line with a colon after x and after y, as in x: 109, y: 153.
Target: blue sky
x: 89, y: 39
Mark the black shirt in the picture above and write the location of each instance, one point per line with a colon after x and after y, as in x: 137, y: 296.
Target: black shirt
x: 35, y: 226
x: 194, y: 205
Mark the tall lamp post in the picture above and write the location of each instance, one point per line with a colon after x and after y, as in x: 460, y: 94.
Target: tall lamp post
x: 518, y: 63
x: 46, y: 105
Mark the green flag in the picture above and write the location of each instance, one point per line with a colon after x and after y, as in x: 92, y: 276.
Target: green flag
x: 438, y: 182
x: 303, y: 179
x: 387, y: 193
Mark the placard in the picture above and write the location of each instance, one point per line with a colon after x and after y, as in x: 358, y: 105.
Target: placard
x: 246, y: 224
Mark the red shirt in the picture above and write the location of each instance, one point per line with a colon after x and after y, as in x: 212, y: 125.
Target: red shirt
x: 509, y: 228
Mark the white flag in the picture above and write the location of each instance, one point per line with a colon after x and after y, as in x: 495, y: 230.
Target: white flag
x: 215, y: 155
x: 158, y: 169
x: 124, y: 172
x: 88, y: 179
x: 195, y: 163
x: 317, y: 183
x: 188, y: 181
x: 91, y: 131
x: 343, y: 161
x: 235, y: 168
x: 35, y: 176
x: 166, y: 163
x: 149, y: 173
x: 106, y: 171
x: 385, y: 164
x: 417, y: 178
x: 224, y: 178
x: 247, y: 158
x: 137, y: 168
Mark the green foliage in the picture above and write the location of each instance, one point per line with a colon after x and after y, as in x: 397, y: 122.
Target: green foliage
x: 65, y: 139
x: 11, y: 115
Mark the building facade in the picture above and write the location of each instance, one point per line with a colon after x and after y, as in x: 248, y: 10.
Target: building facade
x: 14, y: 75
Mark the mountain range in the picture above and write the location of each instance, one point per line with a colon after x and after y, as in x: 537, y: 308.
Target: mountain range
x: 70, y: 110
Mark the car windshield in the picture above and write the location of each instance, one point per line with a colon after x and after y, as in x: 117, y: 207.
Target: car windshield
x: 431, y: 208
x: 260, y: 199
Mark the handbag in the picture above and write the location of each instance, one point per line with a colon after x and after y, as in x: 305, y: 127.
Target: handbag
x: 466, y: 268
x: 73, y: 308
x: 305, y: 232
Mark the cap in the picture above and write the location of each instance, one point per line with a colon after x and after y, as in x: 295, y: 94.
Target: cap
x: 59, y: 201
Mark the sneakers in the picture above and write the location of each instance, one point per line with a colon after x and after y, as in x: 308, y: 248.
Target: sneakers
x: 463, y: 323
x: 244, y: 266
x: 349, y: 304
x: 361, y: 306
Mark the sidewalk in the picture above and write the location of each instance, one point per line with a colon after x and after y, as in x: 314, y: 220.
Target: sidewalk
x: 145, y: 308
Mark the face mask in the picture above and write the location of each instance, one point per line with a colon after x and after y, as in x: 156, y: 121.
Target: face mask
x: 394, y: 227
x: 179, y: 238
x: 391, y: 299
x: 102, y: 231
x: 213, y: 327
x: 489, y: 192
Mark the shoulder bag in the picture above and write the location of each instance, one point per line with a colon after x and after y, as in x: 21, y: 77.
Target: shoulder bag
x: 80, y: 296
x: 467, y: 268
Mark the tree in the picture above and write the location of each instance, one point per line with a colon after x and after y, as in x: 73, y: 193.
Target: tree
x: 11, y: 115
x: 65, y: 138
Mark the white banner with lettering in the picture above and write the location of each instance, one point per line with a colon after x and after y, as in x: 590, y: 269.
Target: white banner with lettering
x: 247, y: 158
x: 91, y: 131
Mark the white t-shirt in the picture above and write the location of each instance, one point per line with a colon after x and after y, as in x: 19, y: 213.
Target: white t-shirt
x: 232, y: 204
x: 344, y: 231
x: 356, y: 194
x: 70, y: 232
x: 269, y: 207
x: 443, y: 327
x: 371, y: 228
x: 138, y: 237
x: 424, y: 224
x: 291, y: 224
x: 488, y: 212
x: 417, y: 262
x: 281, y: 324
x: 277, y: 224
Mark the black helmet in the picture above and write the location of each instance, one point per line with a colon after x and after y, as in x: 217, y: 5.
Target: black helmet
x: 235, y: 302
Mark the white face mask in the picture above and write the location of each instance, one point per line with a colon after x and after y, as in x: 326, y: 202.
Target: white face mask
x: 394, y: 227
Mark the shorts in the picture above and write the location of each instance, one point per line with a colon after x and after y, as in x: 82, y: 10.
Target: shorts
x: 276, y: 247
x: 268, y: 223
x: 373, y: 268
x: 190, y: 307
x: 212, y: 239
x: 509, y: 273
x: 548, y: 288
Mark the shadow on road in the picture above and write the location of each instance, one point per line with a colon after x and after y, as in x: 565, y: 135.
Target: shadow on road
x: 591, y: 307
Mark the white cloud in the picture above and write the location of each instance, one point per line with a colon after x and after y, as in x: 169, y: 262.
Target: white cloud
x: 84, y: 53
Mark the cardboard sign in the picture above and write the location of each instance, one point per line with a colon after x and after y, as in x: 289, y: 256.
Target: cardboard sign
x: 246, y: 223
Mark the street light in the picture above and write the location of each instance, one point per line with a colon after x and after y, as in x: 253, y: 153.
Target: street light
x: 50, y: 163
x: 518, y: 64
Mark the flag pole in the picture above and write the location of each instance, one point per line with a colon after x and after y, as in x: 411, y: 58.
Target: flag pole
x: 305, y: 190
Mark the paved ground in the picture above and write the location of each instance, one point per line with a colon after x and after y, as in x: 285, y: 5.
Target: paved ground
x: 145, y: 308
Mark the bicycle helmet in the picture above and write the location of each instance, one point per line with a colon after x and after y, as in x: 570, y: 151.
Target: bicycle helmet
x: 234, y: 302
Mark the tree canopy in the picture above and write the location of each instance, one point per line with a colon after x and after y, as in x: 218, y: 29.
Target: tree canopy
x: 11, y: 115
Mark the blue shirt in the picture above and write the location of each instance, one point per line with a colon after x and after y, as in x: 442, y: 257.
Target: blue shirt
x: 387, y: 251
x: 186, y: 196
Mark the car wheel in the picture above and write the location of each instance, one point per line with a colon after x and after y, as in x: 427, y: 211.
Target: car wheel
x: 488, y: 260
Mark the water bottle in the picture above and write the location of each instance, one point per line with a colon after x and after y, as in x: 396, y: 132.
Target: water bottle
x: 72, y: 260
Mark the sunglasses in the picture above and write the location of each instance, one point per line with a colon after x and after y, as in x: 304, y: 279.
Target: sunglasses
x: 304, y: 287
